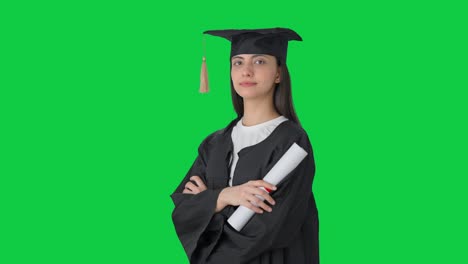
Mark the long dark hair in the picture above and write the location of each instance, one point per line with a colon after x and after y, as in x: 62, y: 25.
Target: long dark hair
x: 282, y: 98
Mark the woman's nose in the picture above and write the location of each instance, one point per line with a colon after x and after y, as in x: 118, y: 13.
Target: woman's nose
x: 247, y: 70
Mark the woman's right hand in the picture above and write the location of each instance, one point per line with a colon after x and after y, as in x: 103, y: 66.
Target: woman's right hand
x: 245, y: 195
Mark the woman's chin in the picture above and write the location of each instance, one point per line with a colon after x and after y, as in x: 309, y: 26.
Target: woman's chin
x: 247, y: 92
x: 248, y: 96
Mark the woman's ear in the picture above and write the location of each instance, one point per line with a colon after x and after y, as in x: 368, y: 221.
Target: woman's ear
x: 278, y: 75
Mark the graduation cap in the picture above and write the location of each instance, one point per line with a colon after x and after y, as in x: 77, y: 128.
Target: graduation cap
x: 271, y: 41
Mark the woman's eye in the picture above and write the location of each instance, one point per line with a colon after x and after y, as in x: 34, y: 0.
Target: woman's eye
x: 260, y: 62
x: 236, y: 63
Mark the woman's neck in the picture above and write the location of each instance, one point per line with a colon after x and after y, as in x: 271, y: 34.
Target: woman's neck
x: 258, y: 111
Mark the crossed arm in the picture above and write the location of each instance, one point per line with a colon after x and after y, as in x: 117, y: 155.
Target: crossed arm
x: 244, y: 194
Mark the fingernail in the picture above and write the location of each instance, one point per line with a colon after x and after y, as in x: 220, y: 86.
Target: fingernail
x: 274, y: 187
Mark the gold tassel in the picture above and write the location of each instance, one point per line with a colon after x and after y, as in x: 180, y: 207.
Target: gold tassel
x: 204, y: 77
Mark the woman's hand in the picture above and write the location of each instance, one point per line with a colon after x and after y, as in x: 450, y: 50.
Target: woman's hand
x: 245, y: 195
x: 192, y: 188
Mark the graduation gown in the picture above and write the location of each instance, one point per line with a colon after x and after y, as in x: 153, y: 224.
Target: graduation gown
x: 289, y: 234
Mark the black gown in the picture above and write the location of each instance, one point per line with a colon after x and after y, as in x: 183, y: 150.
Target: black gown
x: 289, y: 234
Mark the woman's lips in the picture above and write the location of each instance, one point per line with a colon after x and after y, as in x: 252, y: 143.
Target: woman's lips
x: 247, y: 84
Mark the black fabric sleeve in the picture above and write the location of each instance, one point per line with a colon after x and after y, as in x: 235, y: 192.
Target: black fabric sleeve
x: 193, y: 214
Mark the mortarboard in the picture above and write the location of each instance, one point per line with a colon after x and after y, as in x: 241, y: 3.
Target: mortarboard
x: 271, y: 41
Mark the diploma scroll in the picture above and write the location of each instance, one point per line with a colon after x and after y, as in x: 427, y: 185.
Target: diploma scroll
x: 287, y: 163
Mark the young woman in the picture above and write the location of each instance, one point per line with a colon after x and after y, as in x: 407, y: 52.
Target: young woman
x: 232, y: 161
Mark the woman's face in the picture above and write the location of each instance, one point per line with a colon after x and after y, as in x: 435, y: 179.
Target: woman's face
x: 254, y: 75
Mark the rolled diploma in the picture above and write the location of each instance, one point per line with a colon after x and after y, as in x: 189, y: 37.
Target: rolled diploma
x: 287, y: 163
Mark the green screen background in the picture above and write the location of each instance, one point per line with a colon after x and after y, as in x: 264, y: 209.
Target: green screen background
x: 100, y: 118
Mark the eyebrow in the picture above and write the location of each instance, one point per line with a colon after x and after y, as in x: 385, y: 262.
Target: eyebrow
x: 239, y: 57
